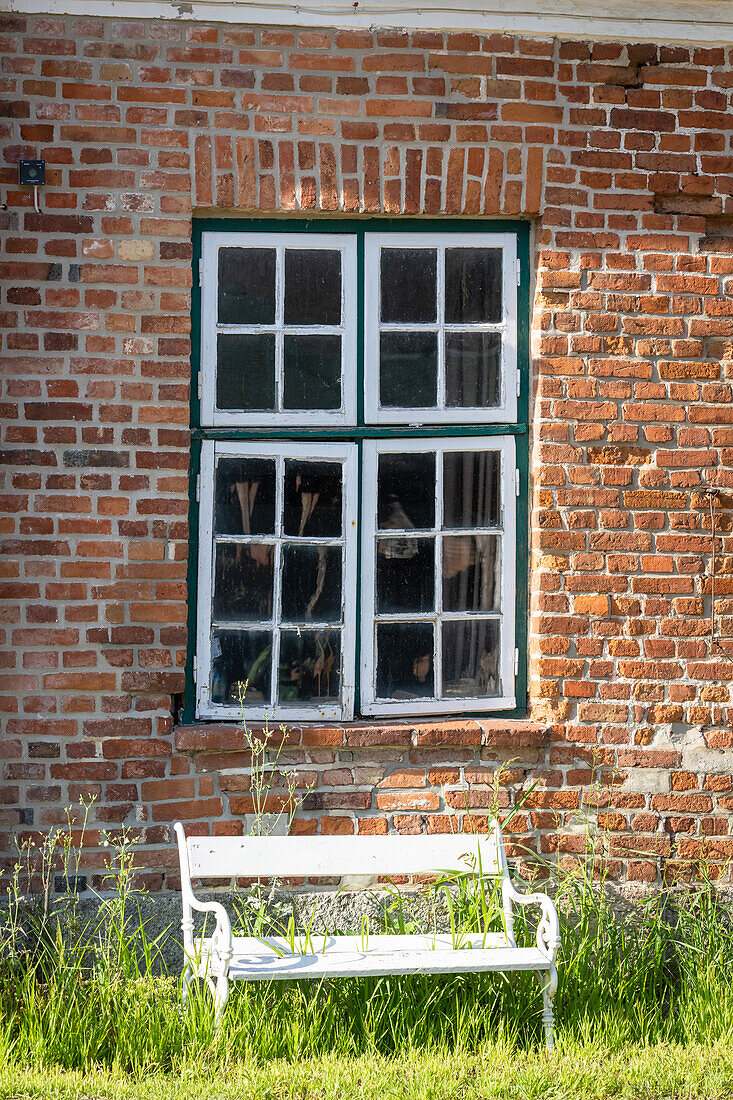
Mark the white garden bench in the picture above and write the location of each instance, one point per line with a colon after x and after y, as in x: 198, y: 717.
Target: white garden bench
x: 221, y: 958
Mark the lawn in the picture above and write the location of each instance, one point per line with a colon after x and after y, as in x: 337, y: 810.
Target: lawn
x: 663, y: 1071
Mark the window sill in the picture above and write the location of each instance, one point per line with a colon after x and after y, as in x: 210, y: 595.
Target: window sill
x: 509, y: 733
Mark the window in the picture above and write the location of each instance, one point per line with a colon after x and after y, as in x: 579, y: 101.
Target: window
x: 359, y: 452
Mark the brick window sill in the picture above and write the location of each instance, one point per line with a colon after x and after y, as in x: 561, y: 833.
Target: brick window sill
x: 485, y: 733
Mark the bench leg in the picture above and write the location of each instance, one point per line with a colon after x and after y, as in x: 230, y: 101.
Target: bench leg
x: 548, y: 980
x: 221, y: 996
x: 186, y: 979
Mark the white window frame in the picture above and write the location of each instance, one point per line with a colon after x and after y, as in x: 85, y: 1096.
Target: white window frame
x: 370, y: 704
x: 210, y: 329
x: 347, y: 454
x: 506, y: 413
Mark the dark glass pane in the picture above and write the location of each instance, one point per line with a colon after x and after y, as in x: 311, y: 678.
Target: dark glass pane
x: 243, y: 580
x: 312, y: 372
x: 471, y: 489
x: 312, y: 286
x: 310, y: 666
x: 472, y: 285
x: 473, y: 370
x: 312, y: 498
x: 405, y: 575
x: 408, y: 370
x: 471, y: 573
x: 239, y: 657
x: 405, y: 665
x: 408, y: 282
x: 311, y: 584
x: 406, y: 491
x: 245, y: 371
x: 471, y: 658
x: 245, y: 496
x: 246, y: 286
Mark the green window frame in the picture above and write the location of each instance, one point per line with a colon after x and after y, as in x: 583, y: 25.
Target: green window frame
x: 370, y: 434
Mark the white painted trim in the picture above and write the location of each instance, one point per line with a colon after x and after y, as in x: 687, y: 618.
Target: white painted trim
x: 342, y: 242
x: 347, y: 454
x: 370, y: 705
x: 692, y: 21
x: 506, y: 413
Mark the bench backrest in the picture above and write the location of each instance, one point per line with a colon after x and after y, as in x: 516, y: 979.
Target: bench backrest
x: 311, y: 856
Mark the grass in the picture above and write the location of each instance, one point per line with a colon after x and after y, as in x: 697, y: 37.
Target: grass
x: 498, y: 1072
x: 644, y: 1010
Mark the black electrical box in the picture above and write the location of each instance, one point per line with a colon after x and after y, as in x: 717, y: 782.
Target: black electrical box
x: 32, y: 172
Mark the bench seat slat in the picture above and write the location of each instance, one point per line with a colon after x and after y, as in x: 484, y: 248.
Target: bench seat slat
x: 362, y: 964
x: 283, y: 857
x: 276, y: 946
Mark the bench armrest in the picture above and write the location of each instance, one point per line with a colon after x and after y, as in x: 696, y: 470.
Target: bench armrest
x: 221, y: 941
x: 548, y: 929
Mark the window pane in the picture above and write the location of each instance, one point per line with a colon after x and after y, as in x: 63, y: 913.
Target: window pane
x: 408, y: 370
x: 471, y: 573
x: 408, y: 282
x: 243, y: 581
x: 311, y: 584
x: 471, y: 489
x: 472, y: 285
x: 405, y: 666
x: 312, y: 499
x: 405, y: 575
x: 406, y: 491
x: 473, y: 369
x: 310, y: 666
x: 240, y: 656
x: 471, y: 658
x: 245, y: 371
x: 246, y: 289
x: 312, y: 372
x: 312, y: 286
x: 245, y: 496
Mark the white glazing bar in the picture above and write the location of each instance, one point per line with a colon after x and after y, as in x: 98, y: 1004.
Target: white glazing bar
x: 279, y: 314
x: 438, y: 599
x: 440, y: 307
x: 277, y: 583
x: 305, y: 540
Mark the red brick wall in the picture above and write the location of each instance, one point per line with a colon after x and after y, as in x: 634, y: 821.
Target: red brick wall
x: 621, y: 155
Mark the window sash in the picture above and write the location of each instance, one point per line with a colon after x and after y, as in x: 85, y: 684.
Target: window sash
x: 346, y: 244
x: 506, y: 412
x: 347, y: 455
x: 370, y: 704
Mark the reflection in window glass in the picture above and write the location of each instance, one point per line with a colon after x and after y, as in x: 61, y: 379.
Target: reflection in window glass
x: 405, y: 575
x: 310, y: 666
x: 471, y: 489
x: 473, y: 370
x: 246, y: 287
x: 245, y: 496
x: 312, y: 499
x: 471, y: 658
x: 406, y: 491
x: 408, y: 285
x: 240, y: 657
x: 472, y: 285
x: 312, y: 286
x: 243, y: 575
x: 312, y: 372
x: 245, y: 371
x: 311, y: 584
x: 408, y: 373
x: 471, y: 570
x: 405, y: 662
